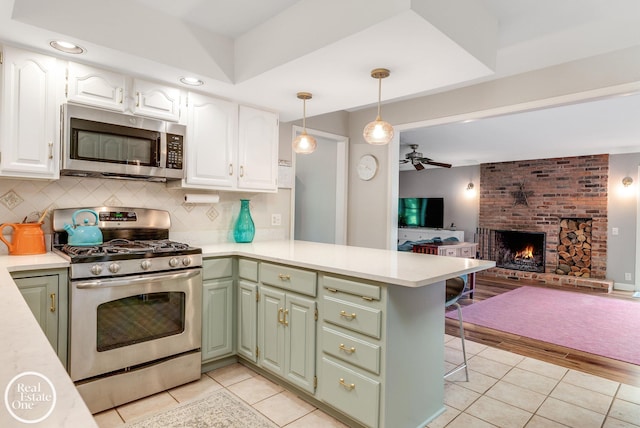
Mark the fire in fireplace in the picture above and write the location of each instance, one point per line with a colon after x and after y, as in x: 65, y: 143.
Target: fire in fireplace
x: 519, y: 250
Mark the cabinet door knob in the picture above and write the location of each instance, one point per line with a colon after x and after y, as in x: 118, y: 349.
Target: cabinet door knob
x: 347, y: 350
x: 346, y: 315
x: 348, y: 386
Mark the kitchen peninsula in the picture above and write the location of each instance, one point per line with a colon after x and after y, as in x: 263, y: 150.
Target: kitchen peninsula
x: 396, y: 312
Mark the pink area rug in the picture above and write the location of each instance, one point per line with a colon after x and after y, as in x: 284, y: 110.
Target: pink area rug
x: 598, y: 325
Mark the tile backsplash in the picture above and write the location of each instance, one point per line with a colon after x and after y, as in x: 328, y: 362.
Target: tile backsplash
x: 197, y: 224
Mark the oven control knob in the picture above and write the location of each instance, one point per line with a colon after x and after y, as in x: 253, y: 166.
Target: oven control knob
x: 186, y: 261
x: 96, y: 269
x: 114, y: 268
x: 174, y: 262
x: 145, y: 264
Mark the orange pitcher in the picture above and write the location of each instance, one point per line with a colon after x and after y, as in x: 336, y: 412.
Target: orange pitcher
x: 28, y: 239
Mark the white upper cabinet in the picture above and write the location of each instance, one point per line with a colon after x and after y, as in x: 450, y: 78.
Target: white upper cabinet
x: 155, y: 100
x: 257, y: 149
x: 29, y: 137
x: 230, y: 147
x: 95, y: 87
x: 211, y: 138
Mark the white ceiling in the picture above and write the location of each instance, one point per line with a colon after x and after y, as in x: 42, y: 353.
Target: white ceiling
x: 610, y: 125
x: 263, y: 52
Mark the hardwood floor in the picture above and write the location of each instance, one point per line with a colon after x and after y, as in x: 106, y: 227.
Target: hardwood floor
x: 594, y: 364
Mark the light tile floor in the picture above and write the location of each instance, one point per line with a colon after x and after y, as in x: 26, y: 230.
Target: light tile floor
x: 509, y: 390
x: 504, y: 390
x: 279, y: 405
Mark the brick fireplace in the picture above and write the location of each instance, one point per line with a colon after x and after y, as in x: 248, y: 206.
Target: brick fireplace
x: 537, y: 196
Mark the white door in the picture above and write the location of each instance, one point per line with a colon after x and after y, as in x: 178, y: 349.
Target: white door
x: 321, y: 190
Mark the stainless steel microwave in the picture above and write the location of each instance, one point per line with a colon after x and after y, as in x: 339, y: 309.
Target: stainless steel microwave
x: 99, y: 143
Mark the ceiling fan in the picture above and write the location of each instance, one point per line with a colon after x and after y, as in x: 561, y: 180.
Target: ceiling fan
x: 417, y: 160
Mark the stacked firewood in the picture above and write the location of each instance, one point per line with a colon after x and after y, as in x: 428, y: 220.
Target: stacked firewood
x: 574, y: 250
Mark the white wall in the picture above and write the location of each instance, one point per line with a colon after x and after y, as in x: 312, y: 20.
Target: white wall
x: 316, y: 178
x: 369, y: 201
x: 622, y: 214
x: 460, y: 207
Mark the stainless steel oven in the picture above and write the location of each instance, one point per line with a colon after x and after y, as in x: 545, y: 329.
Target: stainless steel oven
x: 135, y: 307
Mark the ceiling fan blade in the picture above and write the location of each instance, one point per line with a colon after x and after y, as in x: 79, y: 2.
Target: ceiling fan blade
x: 403, y: 161
x: 418, y: 166
x: 443, y: 165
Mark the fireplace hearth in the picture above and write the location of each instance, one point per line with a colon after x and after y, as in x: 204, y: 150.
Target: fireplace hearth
x: 520, y: 250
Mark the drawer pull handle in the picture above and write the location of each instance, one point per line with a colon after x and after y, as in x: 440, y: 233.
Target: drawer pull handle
x: 349, y: 386
x: 346, y: 315
x: 284, y: 276
x: 280, y: 318
x: 347, y: 350
x: 52, y: 308
x: 333, y: 290
x: 284, y: 318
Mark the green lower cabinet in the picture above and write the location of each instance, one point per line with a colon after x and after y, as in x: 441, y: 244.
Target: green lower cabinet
x: 217, y: 318
x: 217, y: 308
x: 247, y: 314
x: 287, y: 336
x: 46, y: 295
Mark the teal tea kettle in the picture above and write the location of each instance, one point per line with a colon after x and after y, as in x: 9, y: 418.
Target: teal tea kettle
x: 83, y: 234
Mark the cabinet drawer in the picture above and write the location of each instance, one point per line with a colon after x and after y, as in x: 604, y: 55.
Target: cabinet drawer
x: 217, y: 268
x: 453, y: 252
x: 368, y: 291
x: 348, y: 348
x: 350, y: 392
x: 288, y: 278
x: 468, y: 252
x: 352, y: 316
x: 248, y: 269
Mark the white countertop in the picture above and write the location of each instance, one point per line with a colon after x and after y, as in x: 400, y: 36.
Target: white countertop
x: 26, y: 348
x: 391, y: 267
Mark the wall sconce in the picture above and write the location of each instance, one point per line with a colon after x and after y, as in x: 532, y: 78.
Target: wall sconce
x: 627, y: 181
x: 470, y: 186
x: 470, y: 191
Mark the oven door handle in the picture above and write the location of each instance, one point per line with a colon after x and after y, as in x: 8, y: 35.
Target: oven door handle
x: 132, y: 280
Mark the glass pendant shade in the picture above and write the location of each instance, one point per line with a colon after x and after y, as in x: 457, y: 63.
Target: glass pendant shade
x: 304, y: 144
x: 378, y: 132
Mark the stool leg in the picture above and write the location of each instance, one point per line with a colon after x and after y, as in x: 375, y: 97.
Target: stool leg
x: 464, y: 351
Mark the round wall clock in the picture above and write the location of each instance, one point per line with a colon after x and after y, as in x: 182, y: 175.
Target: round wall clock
x: 367, y: 167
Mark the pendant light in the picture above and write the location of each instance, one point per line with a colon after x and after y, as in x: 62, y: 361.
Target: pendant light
x: 378, y: 132
x: 304, y: 143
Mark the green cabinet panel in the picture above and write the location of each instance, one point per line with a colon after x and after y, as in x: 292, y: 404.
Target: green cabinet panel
x: 217, y: 308
x: 217, y: 318
x: 46, y: 295
x: 247, y: 317
x: 287, y: 336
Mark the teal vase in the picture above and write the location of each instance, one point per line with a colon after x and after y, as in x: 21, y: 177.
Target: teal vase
x: 244, y: 230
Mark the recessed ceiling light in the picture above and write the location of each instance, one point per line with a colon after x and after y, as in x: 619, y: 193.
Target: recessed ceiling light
x: 66, y: 47
x: 192, y: 81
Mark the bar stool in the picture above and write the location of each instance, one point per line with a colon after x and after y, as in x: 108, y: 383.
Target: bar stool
x: 455, y: 289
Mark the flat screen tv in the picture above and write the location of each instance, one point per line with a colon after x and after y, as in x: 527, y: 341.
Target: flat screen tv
x: 421, y: 212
